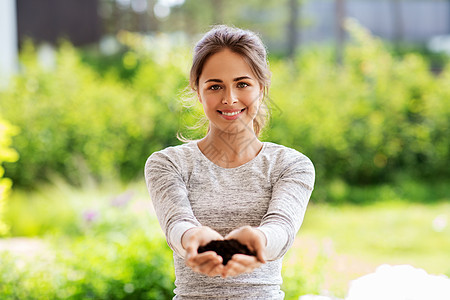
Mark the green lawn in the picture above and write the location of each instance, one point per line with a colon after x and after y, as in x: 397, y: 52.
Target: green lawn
x: 339, y: 243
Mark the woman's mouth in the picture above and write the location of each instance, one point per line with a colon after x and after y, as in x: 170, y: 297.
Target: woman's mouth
x: 231, y: 115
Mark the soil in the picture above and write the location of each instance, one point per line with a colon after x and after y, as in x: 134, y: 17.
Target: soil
x: 226, y: 249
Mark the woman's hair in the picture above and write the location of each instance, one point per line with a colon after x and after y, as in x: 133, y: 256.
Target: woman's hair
x: 243, y: 42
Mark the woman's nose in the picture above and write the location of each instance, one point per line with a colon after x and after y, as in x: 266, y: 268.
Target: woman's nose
x: 229, y: 97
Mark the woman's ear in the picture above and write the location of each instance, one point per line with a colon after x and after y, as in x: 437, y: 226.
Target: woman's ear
x: 261, y: 95
x: 199, y: 97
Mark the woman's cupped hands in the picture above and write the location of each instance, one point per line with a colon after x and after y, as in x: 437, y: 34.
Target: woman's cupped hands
x: 210, y: 263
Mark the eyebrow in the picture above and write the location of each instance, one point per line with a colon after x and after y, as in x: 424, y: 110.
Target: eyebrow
x: 235, y: 79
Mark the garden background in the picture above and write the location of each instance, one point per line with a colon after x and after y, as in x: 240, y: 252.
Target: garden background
x: 77, y: 123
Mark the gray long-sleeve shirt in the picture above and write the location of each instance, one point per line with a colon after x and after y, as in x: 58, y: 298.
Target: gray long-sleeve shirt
x: 269, y: 192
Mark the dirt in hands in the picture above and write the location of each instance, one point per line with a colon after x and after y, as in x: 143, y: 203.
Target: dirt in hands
x: 226, y: 249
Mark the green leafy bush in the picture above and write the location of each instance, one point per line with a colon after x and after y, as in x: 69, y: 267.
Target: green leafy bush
x: 116, y: 266
x: 97, y: 244
x: 75, y: 123
x: 368, y: 120
x: 6, y: 154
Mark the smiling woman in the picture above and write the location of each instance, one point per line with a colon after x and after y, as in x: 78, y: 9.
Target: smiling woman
x: 228, y: 90
x: 230, y: 185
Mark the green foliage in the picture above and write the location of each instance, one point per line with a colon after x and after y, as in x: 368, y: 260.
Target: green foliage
x: 75, y: 123
x: 303, y: 270
x: 368, y: 119
x: 402, y: 189
x: 99, y: 244
x: 60, y: 209
x: 119, y: 266
x: 39, y: 214
x: 375, y: 116
x: 10, y: 155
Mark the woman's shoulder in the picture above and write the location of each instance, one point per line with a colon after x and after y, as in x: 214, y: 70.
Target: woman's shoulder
x: 175, y: 154
x: 290, y: 162
x: 285, y: 155
x: 175, y: 150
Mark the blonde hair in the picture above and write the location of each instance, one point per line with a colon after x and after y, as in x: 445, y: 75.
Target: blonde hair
x: 243, y: 42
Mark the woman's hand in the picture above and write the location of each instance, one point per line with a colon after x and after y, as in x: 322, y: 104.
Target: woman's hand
x: 207, y: 263
x: 255, y: 240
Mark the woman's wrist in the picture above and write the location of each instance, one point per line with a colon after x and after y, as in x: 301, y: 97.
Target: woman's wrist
x: 262, y: 236
x: 186, y: 236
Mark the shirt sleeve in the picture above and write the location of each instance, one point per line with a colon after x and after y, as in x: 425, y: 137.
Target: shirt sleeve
x: 290, y: 196
x: 169, y: 196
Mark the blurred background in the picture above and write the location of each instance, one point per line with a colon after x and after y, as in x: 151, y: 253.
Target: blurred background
x: 90, y: 88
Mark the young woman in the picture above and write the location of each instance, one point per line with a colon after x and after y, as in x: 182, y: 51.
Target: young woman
x: 229, y: 184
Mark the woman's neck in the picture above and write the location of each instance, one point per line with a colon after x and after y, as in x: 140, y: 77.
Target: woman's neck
x: 230, y: 149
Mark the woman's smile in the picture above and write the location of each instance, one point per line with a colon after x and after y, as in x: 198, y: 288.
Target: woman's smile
x: 231, y: 114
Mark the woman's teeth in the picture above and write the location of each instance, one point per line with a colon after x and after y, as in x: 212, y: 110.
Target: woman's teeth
x: 231, y: 114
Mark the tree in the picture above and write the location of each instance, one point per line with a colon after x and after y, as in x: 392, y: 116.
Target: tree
x: 293, y: 31
x: 397, y: 20
x: 340, y: 33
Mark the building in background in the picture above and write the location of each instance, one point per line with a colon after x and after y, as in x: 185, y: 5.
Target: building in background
x: 44, y: 22
x: 51, y: 20
x: 413, y: 21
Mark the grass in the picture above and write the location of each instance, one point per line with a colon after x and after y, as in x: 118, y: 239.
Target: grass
x: 348, y: 241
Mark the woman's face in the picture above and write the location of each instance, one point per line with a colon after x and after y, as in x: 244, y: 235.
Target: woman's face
x: 229, y: 92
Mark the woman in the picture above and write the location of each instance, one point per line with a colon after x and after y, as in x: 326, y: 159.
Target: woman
x: 230, y: 185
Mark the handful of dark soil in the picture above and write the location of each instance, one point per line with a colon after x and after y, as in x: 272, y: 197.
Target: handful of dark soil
x: 226, y: 249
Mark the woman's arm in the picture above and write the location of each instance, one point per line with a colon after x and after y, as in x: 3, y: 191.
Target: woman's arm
x: 169, y: 196
x: 290, y: 196
x: 184, y: 234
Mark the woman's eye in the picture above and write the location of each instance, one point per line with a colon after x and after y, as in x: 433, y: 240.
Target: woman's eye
x: 242, y: 85
x: 214, y: 87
